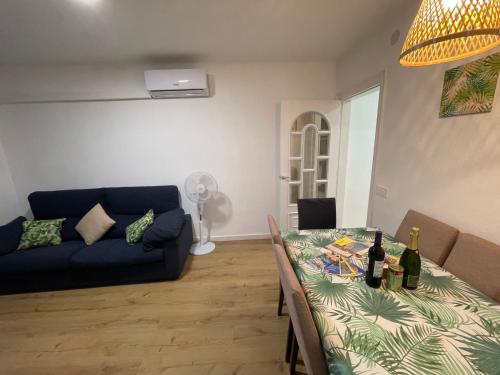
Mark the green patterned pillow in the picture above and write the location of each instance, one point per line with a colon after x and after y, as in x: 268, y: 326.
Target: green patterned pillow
x: 38, y: 233
x: 135, y: 230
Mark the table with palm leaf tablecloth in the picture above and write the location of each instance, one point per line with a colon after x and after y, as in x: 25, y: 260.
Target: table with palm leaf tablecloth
x: 445, y: 326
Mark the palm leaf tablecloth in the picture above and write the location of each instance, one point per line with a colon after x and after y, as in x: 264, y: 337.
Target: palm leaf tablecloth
x: 445, y: 326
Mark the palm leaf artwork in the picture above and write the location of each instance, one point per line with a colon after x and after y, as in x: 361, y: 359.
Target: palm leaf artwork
x: 491, y: 66
x: 470, y: 88
x: 451, y: 83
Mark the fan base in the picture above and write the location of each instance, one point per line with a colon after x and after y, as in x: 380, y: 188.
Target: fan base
x: 206, y: 248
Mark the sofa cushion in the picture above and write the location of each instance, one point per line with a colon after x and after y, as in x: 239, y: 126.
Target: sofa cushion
x: 10, y: 235
x: 64, y: 203
x: 477, y: 262
x: 121, y: 223
x: 40, y: 259
x: 94, y: 224
x: 68, y: 231
x: 138, y: 200
x: 114, y: 252
x: 165, y: 227
x: 135, y: 231
x: 40, y: 233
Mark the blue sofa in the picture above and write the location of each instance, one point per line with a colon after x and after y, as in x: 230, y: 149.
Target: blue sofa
x: 109, y: 261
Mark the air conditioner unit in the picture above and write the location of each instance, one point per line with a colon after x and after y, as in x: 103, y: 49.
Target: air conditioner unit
x: 176, y: 83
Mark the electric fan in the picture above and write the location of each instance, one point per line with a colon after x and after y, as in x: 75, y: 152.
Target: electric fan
x: 199, y: 188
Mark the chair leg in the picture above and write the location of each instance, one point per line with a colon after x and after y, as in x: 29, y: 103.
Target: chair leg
x: 280, y: 301
x: 294, y: 355
x: 289, y: 341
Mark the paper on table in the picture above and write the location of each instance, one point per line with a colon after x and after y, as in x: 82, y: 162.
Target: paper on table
x: 347, y: 247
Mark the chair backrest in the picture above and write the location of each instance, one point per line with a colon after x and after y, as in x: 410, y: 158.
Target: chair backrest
x: 300, y: 314
x: 274, y: 230
x: 436, y: 238
x: 317, y: 213
x: 477, y: 262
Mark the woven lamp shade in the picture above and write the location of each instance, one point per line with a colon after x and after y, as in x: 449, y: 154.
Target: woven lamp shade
x: 447, y: 30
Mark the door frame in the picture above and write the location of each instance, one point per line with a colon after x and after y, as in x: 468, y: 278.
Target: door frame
x: 378, y: 80
x: 291, y: 109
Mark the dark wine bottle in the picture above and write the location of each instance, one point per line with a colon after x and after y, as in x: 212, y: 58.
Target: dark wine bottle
x: 410, y: 260
x: 376, y: 256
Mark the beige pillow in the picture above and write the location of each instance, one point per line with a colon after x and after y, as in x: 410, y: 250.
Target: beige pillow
x: 94, y: 224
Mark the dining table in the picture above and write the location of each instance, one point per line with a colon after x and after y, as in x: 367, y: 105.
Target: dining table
x: 445, y: 326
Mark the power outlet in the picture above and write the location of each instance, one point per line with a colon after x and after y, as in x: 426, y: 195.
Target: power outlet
x: 381, y: 191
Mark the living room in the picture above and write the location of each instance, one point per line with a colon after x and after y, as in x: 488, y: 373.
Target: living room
x: 84, y: 138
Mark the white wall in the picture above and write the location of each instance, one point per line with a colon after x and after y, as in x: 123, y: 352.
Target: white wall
x: 9, y: 203
x: 447, y: 168
x: 233, y: 135
x: 361, y: 127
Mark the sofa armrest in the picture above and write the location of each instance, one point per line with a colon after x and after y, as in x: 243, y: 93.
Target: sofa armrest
x: 175, y: 251
x: 10, y: 235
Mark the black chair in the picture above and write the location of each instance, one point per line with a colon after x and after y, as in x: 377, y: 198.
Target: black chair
x: 317, y: 213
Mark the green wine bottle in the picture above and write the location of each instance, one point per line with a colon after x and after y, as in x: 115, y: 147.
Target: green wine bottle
x: 410, y: 260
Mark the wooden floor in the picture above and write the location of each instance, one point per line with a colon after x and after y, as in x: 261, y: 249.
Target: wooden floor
x: 219, y: 318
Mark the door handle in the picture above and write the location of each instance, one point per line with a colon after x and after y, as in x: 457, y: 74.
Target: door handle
x: 285, y: 177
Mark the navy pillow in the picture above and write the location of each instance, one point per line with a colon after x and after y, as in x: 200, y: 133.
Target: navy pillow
x: 10, y: 235
x: 121, y: 223
x: 68, y: 231
x: 165, y: 227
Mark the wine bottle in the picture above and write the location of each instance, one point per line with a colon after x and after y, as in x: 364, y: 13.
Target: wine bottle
x: 376, y: 255
x: 410, y: 260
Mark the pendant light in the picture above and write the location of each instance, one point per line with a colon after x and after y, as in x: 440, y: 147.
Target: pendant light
x: 447, y: 30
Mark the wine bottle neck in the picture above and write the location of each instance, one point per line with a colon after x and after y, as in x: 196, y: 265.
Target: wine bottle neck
x: 413, y: 244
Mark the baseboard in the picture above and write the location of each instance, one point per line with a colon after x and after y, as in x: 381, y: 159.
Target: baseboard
x: 240, y: 237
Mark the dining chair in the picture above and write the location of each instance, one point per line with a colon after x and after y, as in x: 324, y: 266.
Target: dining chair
x: 302, y: 332
x: 435, y: 240
x: 276, y: 239
x: 317, y: 213
x: 477, y: 262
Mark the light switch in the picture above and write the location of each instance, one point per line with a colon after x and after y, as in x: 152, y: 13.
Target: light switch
x: 381, y: 191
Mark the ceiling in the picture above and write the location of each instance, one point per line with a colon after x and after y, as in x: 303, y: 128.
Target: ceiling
x: 98, y: 31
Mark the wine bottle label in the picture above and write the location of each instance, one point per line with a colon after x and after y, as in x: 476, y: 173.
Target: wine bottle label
x: 378, y: 268
x: 412, y: 281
